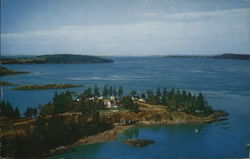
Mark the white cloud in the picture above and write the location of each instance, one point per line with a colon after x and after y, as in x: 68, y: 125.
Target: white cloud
x: 232, y: 13
x: 224, y: 34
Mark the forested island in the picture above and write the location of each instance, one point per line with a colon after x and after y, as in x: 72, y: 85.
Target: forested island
x: 56, y: 59
x: 4, y: 71
x: 222, y: 56
x: 93, y: 117
x: 47, y: 86
x: 233, y: 56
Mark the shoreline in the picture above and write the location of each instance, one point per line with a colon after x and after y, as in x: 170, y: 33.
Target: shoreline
x: 114, y: 133
x: 106, y: 136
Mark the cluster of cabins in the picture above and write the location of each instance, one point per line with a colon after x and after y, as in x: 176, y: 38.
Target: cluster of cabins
x: 112, y: 102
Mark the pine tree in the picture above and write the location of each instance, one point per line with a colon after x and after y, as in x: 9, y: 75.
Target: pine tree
x: 158, y: 92
x: 133, y: 93
x: 105, y: 91
x: 111, y: 91
x: 96, y: 91
x: 120, y: 92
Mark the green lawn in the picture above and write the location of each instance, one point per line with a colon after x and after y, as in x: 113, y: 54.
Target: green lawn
x: 112, y: 110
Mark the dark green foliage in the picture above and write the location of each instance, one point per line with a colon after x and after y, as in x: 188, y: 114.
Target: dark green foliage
x: 5, y: 71
x: 120, y: 92
x: 30, y: 112
x: 133, y: 93
x: 111, y: 91
x: 180, y: 101
x: 8, y: 111
x: 62, y: 101
x: 57, y: 59
x: 153, y: 100
x: 128, y: 103
x: 114, y: 91
x: 158, y: 92
x: 88, y: 93
x: 105, y: 91
x: 49, y: 134
x: 143, y: 96
x: 96, y: 91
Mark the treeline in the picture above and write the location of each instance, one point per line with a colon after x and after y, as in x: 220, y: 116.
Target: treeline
x: 7, y: 110
x: 177, y: 100
x: 49, y: 133
x: 88, y: 102
x: 107, y: 91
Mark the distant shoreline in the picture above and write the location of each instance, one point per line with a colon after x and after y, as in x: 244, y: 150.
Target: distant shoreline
x: 56, y: 59
x: 47, y: 86
x: 223, y: 56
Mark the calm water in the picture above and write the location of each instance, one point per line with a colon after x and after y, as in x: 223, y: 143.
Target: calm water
x: 224, y: 82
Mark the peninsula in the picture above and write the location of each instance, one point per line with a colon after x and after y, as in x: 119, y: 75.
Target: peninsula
x: 94, y: 117
x: 4, y: 83
x: 47, y: 86
x: 57, y: 59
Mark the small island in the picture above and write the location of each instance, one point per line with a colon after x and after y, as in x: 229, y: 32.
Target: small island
x: 4, y: 71
x: 57, y: 59
x: 47, y: 86
x: 4, y: 83
x: 95, y: 117
x: 138, y: 142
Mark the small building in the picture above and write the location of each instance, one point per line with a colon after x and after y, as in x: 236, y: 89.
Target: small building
x: 92, y: 98
x: 100, y: 98
x: 108, y: 104
x: 133, y: 98
x: 124, y: 121
x: 142, y: 100
x: 77, y: 99
x: 112, y: 98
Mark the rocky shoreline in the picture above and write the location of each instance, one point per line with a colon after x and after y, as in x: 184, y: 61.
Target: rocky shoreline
x: 113, y: 134
x: 109, y: 135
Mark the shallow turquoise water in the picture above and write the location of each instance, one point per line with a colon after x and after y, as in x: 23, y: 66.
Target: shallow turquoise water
x: 224, y: 82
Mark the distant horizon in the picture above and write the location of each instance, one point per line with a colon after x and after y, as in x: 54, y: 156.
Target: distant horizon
x: 152, y: 55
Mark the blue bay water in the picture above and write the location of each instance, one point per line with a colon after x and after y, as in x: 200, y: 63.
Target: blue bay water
x: 225, y: 84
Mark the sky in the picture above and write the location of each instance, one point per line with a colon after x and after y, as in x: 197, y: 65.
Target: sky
x: 125, y: 27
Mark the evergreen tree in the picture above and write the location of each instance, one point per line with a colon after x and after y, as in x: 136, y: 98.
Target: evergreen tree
x: 111, y: 91
x: 88, y: 93
x: 133, y: 93
x: 115, y: 92
x: 105, y: 91
x: 16, y: 113
x: 158, y: 92
x: 143, y: 96
x: 96, y: 91
x: 150, y: 93
x: 120, y: 92
x: 164, y: 92
x: 128, y: 103
x: 28, y: 113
